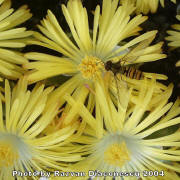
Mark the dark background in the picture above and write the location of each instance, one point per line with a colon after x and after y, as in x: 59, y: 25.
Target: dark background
x: 161, y: 20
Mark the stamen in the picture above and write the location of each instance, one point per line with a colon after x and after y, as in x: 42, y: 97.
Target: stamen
x: 8, y: 154
x: 117, y: 154
x: 90, y: 66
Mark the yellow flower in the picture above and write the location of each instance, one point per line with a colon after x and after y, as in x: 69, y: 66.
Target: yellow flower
x: 145, y: 6
x: 84, y: 56
x: 11, y: 37
x: 174, y: 37
x: 132, y: 140
x: 22, y: 120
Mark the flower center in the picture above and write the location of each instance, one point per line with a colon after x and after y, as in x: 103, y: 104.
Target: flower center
x: 117, y: 154
x: 90, y: 66
x: 7, y: 154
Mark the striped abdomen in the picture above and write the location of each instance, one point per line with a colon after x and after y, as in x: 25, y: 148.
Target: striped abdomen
x: 132, y: 73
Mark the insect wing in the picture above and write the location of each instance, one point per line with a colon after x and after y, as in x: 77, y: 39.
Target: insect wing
x: 129, y: 58
x: 122, y: 89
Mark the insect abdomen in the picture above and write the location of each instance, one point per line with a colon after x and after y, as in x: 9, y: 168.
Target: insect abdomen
x: 133, y: 73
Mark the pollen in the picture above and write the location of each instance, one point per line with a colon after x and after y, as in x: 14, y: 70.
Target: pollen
x: 117, y: 154
x: 90, y: 66
x: 8, y: 155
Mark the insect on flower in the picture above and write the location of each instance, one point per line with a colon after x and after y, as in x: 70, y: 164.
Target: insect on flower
x: 124, y: 67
